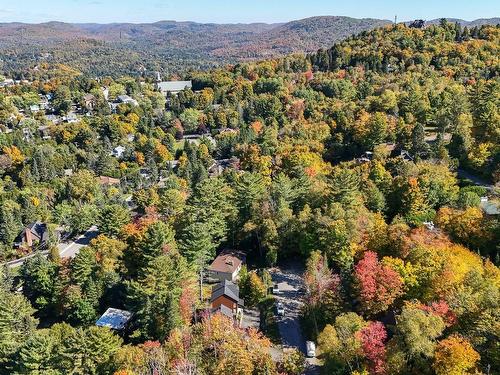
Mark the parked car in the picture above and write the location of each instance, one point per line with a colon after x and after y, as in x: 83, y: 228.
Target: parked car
x: 311, y: 349
x: 280, y: 309
x: 276, y: 289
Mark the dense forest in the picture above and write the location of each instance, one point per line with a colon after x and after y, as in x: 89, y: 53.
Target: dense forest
x: 348, y: 160
x: 167, y: 46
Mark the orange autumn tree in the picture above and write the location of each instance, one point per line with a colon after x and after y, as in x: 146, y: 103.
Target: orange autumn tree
x: 455, y: 356
x: 232, y: 351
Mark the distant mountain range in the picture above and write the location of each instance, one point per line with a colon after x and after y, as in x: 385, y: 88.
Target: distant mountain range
x: 169, y: 46
x: 478, y: 22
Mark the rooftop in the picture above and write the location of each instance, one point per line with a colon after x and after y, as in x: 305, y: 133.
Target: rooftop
x: 105, y: 180
x: 114, y: 319
x: 228, y: 261
x: 174, y: 86
x: 228, y: 289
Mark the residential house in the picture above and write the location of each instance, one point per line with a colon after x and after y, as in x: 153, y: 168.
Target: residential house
x: 115, y: 319
x: 226, y: 266
x: 70, y: 118
x: 43, y: 102
x: 196, y: 138
x: 118, y: 152
x: 108, y: 181
x: 7, y: 82
x: 405, y: 155
x: 105, y: 92
x: 45, y: 132
x: 33, y: 235
x: 125, y: 99
x: 53, y: 118
x: 89, y: 102
x: 173, y: 87
x: 227, y: 294
x: 219, y: 166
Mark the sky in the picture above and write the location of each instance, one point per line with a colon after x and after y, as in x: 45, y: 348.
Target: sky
x: 236, y: 11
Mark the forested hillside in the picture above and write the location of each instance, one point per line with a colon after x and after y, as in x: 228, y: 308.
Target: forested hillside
x: 347, y: 161
x: 167, y: 46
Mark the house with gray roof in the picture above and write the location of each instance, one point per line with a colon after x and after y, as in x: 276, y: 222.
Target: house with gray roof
x: 226, y: 293
x: 173, y: 87
x: 33, y: 235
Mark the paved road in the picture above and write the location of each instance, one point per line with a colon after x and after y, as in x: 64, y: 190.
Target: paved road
x: 291, y: 285
x: 476, y: 180
x: 69, y: 250
x: 66, y: 249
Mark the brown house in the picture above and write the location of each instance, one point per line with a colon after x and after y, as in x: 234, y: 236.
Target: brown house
x: 226, y: 266
x: 109, y: 181
x: 89, y: 101
x: 35, y: 234
x: 227, y: 294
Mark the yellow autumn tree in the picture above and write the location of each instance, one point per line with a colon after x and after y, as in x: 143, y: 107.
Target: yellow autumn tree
x: 15, y: 155
x: 455, y: 356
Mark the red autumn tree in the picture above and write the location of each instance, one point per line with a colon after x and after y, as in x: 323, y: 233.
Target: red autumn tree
x: 372, y: 338
x: 186, y: 304
x: 442, y: 310
x: 378, y: 285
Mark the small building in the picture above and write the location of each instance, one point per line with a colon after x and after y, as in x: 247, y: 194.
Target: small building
x: 108, y: 181
x: 45, y: 132
x: 227, y: 294
x: 173, y: 87
x: 89, y: 101
x: 125, y: 99
x: 115, y: 319
x: 219, y: 166
x: 196, y: 138
x: 70, y: 118
x: 226, y: 266
x: 34, y: 108
x: 53, y: 119
x: 7, y: 82
x: 118, y: 152
x: 172, y: 164
x: 405, y: 155
x: 35, y: 234
x: 43, y: 102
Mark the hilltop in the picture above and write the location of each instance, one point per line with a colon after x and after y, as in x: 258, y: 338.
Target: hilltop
x: 167, y: 46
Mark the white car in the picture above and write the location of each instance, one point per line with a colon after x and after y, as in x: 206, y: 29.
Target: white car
x: 276, y: 289
x: 311, y: 349
x: 280, y: 309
